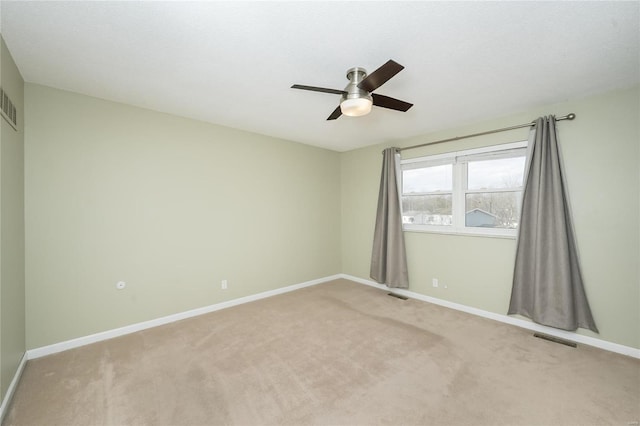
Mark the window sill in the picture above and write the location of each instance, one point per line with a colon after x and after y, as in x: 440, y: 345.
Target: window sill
x: 505, y: 234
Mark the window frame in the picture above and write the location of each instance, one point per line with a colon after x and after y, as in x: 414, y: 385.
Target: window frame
x: 459, y: 161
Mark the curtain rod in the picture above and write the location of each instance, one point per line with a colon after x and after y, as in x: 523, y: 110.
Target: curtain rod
x: 488, y: 132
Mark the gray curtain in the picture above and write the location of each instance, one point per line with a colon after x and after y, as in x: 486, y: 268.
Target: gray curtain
x: 547, y: 283
x: 389, y: 259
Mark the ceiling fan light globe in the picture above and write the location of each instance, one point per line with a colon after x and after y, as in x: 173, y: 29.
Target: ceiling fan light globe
x: 356, y: 107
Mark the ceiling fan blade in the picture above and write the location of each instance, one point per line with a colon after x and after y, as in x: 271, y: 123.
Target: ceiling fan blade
x: 335, y: 114
x: 391, y: 103
x: 380, y: 76
x: 319, y: 89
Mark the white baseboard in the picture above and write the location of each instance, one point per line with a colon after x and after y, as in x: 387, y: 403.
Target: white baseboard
x: 109, y: 334
x: 12, y: 387
x: 567, y: 335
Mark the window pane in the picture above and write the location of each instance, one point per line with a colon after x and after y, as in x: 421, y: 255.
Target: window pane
x: 495, y: 174
x: 427, y: 209
x: 427, y: 179
x: 492, y: 209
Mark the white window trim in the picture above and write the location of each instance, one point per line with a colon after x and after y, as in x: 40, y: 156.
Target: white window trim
x: 458, y: 193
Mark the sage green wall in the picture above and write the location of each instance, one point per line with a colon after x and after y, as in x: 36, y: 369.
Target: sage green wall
x: 12, y: 282
x: 602, y: 162
x: 171, y: 206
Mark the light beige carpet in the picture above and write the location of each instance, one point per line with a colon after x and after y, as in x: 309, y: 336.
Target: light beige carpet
x: 338, y: 353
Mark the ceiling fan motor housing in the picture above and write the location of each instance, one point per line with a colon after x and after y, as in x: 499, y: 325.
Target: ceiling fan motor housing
x: 355, y: 75
x: 356, y: 101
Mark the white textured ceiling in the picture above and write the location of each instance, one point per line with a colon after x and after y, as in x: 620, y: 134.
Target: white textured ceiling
x: 232, y: 63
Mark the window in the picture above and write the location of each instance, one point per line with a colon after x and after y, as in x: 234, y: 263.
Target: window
x: 478, y: 191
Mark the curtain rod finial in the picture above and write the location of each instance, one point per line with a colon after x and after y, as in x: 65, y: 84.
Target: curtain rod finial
x: 571, y: 116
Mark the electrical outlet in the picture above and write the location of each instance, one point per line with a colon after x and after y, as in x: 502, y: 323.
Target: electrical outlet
x: 224, y: 284
x: 434, y: 282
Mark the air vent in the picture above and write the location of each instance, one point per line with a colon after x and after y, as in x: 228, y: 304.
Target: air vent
x: 555, y: 339
x: 397, y: 296
x: 9, y: 111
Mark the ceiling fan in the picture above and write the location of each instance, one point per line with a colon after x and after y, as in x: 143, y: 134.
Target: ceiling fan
x: 357, y: 97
